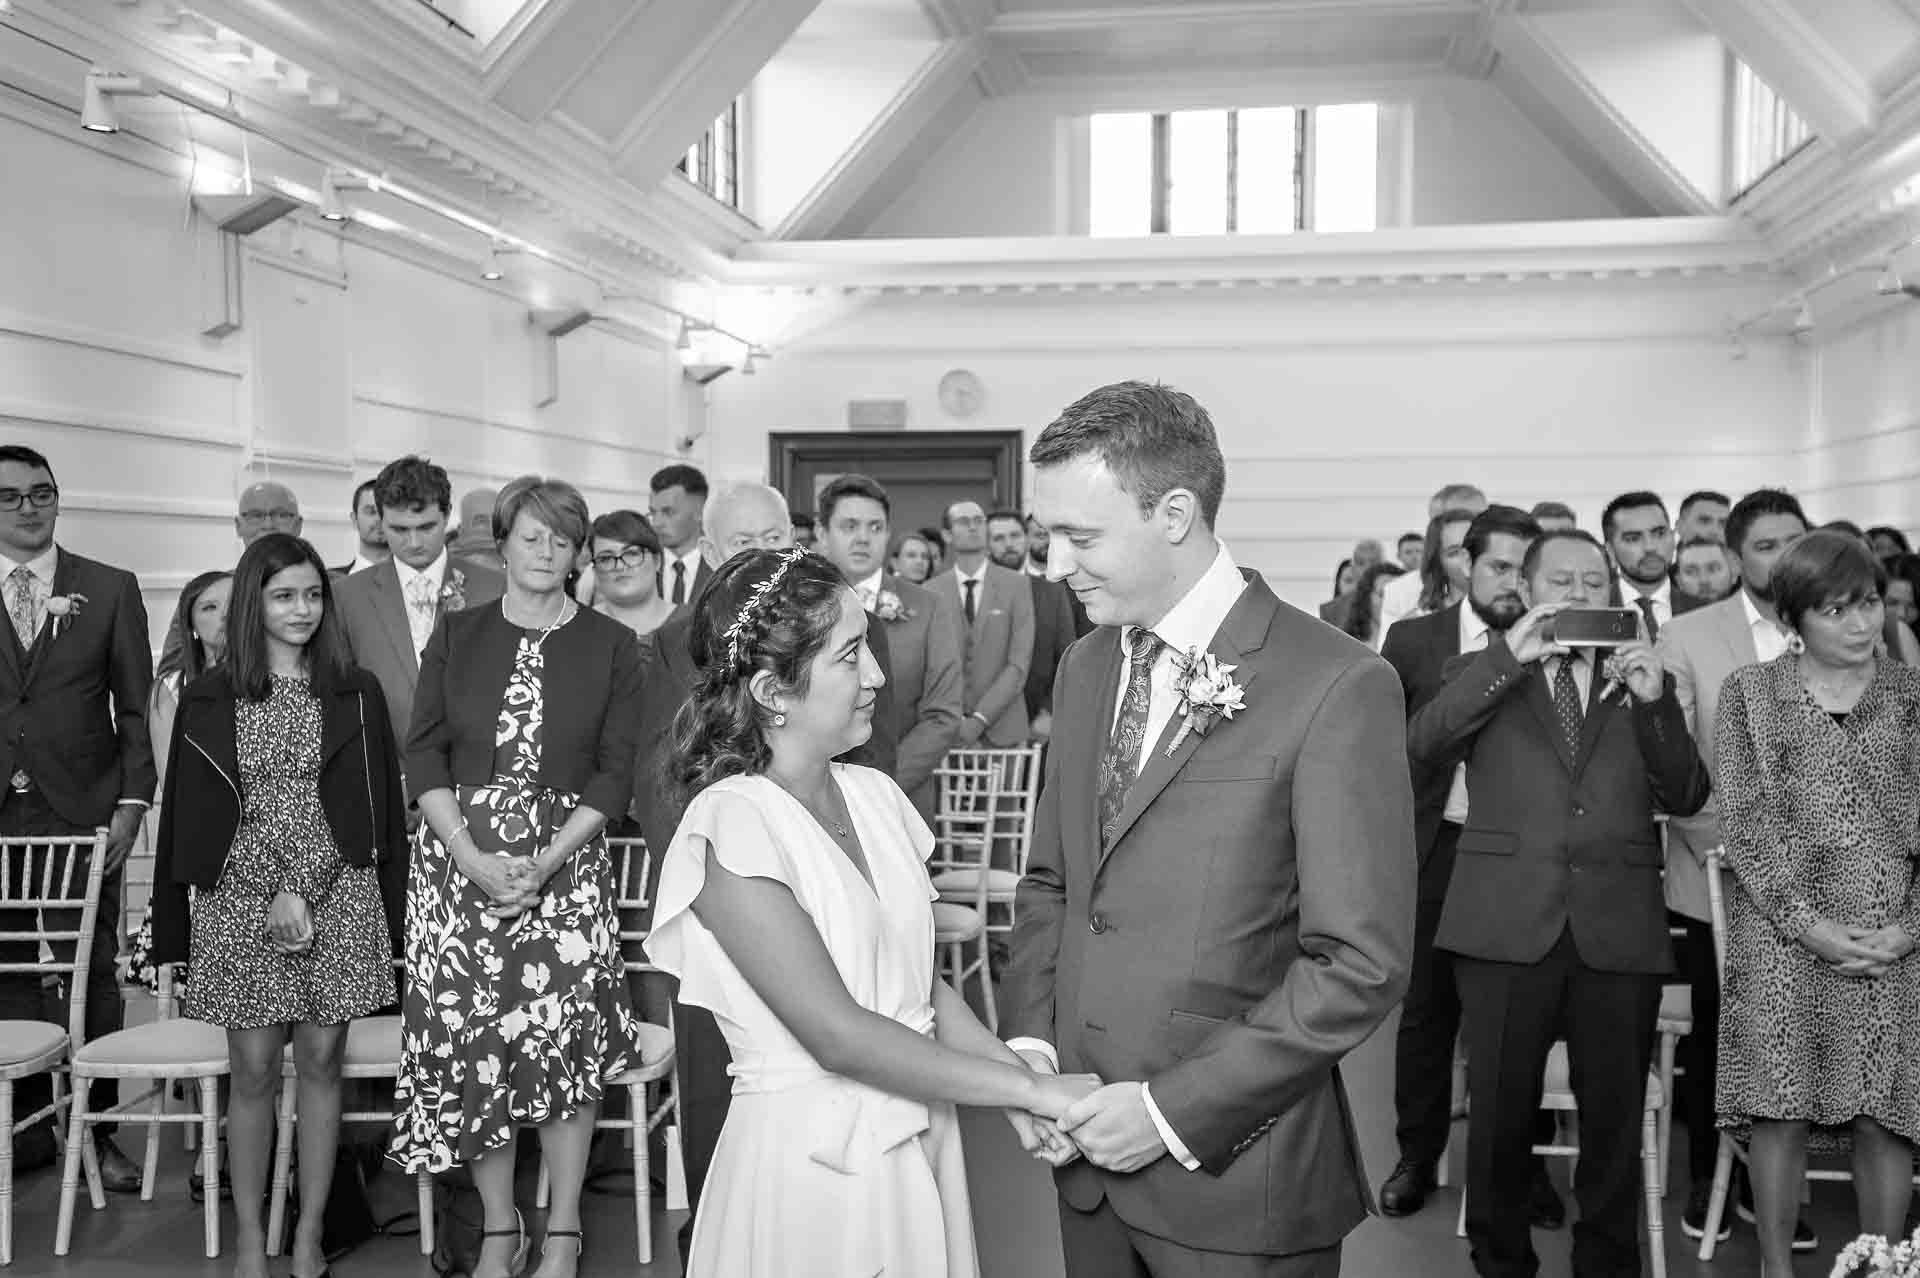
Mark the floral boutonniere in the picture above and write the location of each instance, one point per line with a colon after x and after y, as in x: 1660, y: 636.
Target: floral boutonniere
x: 453, y: 595
x: 887, y: 607
x: 1208, y: 694
x: 61, y: 610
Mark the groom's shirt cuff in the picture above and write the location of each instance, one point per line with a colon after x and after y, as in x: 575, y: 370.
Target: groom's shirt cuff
x: 1175, y: 1146
x: 1039, y: 1045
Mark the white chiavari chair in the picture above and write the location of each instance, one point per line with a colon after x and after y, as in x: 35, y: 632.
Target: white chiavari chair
x: 967, y: 790
x: 37, y: 875
x: 633, y: 869
x: 1009, y: 840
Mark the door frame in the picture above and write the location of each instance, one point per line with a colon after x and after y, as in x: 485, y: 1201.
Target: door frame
x: 788, y: 450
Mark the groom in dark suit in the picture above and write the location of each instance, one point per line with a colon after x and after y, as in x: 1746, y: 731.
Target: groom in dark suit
x: 1216, y: 910
x: 76, y: 667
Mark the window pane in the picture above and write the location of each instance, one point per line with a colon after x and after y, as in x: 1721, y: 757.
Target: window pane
x: 1765, y: 129
x: 1197, y: 193
x: 1266, y: 171
x: 1346, y: 160
x: 1120, y: 193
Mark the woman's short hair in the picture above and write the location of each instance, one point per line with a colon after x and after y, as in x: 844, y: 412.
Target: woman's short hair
x: 899, y: 543
x: 1824, y: 567
x: 554, y: 502
x: 191, y: 660
x: 629, y: 528
x: 265, y: 559
x: 770, y: 610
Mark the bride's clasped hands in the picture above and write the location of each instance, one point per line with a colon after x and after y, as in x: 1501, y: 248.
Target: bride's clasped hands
x: 1039, y: 1127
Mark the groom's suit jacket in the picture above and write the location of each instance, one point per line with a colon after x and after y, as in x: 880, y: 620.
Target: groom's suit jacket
x: 1249, y: 924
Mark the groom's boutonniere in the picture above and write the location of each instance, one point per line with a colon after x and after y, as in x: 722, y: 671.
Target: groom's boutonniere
x: 453, y: 595
x: 887, y: 607
x: 1208, y: 694
x: 61, y: 610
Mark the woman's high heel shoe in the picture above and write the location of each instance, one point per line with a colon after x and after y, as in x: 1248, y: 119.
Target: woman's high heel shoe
x: 518, y: 1265
x: 579, y: 1243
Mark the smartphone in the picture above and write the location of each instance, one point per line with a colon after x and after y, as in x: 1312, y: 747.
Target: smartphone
x: 1594, y: 627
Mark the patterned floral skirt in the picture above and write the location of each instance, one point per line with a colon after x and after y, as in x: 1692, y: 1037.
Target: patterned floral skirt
x: 507, y: 1023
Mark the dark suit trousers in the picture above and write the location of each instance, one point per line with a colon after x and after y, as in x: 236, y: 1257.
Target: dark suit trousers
x: 1698, y: 1052
x: 1514, y: 1012
x: 1429, y: 1019
x: 1099, y: 1244
x: 705, y: 1092
x: 25, y: 997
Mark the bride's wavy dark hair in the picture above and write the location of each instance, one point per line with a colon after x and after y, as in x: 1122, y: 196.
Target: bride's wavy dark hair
x: 784, y: 604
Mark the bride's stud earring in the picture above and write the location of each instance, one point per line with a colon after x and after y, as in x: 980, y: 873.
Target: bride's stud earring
x: 779, y: 720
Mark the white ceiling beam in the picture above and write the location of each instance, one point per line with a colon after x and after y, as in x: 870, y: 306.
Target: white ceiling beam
x: 1472, y: 53
x: 743, y: 38
x: 1562, y: 84
x: 894, y: 139
x: 1219, y: 12
x: 1797, y: 61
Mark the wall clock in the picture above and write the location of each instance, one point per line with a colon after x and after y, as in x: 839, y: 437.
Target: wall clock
x: 961, y: 394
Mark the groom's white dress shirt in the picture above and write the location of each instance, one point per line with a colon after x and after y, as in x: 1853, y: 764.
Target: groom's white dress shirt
x: 1189, y: 626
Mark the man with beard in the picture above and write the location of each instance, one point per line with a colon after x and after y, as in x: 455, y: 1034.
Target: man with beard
x: 1703, y: 573
x: 1419, y: 649
x: 1640, y: 542
x: 1704, y: 514
x: 1053, y: 629
x: 1700, y: 650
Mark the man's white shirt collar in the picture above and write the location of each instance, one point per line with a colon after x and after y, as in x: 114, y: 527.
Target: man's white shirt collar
x: 361, y: 561
x: 1663, y: 595
x: 1473, y: 629
x: 869, y: 588
x: 1191, y: 624
x: 1762, y: 627
x: 42, y: 565
x: 436, y: 572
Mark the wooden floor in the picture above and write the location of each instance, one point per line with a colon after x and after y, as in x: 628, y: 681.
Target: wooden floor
x: 132, y: 1239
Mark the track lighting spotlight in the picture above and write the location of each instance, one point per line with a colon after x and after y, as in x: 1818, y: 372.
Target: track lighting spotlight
x: 1890, y: 282
x: 492, y: 269
x: 1803, y: 318
x: 683, y: 343
x: 747, y: 368
x: 96, y: 106
x: 333, y: 206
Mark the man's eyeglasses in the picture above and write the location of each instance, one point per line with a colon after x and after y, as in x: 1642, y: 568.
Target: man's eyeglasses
x: 630, y: 557
x: 40, y: 496
x: 268, y: 516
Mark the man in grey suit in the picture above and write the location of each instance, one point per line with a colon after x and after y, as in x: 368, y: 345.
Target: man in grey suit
x: 1216, y: 910
x: 923, y: 631
x: 388, y: 611
x: 1701, y: 648
x: 996, y: 628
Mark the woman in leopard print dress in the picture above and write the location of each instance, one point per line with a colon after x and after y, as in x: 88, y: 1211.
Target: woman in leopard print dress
x: 1819, y: 786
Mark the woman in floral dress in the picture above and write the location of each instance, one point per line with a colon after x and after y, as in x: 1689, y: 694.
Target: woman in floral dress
x: 283, y: 814
x: 516, y: 1006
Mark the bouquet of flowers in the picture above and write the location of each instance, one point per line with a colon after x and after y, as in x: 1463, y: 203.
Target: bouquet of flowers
x: 1871, y: 1256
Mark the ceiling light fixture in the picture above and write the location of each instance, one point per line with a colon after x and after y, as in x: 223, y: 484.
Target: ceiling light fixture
x: 333, y: 206
x: 491, y: 269
x: 1803, y: 318
x: 747, y: 368
x: 1889, y: 282
x: 96, y: 106
x: 684, y: 343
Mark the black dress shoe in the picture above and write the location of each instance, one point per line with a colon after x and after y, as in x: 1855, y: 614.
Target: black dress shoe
x: 1544, y: 1208
x: 118, y: 1174
x: 1406, y: 1191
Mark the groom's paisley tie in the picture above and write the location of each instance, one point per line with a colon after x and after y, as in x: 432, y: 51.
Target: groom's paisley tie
x: 1122, y: 759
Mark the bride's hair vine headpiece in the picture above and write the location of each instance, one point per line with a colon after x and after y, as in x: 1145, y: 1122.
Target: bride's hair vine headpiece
x: 736, y: 635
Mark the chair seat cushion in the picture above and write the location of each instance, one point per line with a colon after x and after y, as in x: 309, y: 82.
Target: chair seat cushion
x: 656, y: 1056
x: 955, y: 923
x: 24, y: 1041
x: 177, y: 1047
x: 1000, y: 883
x: 372, y: 1048
x: 1556, y: 1090
x: 1676, y: 1010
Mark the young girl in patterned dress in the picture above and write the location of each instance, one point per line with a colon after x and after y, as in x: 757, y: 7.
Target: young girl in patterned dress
x: 283, y: 807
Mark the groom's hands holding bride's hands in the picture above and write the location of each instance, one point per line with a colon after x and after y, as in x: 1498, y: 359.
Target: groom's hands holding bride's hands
x: 1038, y: 1130
x: 1113, y: 1129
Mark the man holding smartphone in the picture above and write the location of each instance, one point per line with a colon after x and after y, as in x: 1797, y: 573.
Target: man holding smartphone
x: 1555, y: 914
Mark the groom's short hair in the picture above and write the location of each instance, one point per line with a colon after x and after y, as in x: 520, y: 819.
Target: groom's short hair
x: 1152, y: 437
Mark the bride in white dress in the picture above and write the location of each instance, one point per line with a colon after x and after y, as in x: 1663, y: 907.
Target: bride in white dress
x: 794, y: 904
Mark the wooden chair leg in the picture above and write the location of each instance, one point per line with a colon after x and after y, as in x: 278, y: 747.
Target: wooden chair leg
x: 1717, y: 1202
x: 70, y: 1168
x: 423, y: 1195
x: 543, y: 1187
x: 642, y: 1172
x: 6, y: 1171
x: 150, y: 1159
x: 59, y: 1080
x: 1650, y: 1173
x: 282, y: 1170
x: 1668, y: 1046
x: 90, y: 1168
x: 986, y: 985
x: 210, y: 1160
